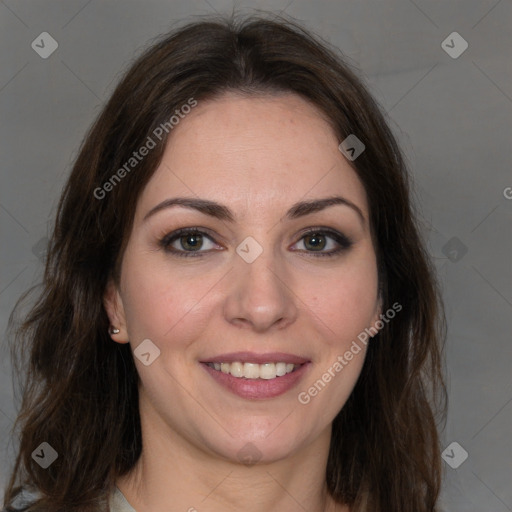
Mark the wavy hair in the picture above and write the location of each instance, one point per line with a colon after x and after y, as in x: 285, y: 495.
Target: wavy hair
x: 80, y: 390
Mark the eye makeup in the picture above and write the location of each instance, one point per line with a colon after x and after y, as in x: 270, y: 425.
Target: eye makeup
x: 189, y: 242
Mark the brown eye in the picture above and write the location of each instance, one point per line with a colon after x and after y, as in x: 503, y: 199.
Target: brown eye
x: 188, y: 242
x: 323, y: 242
x: 315, y: 242
x: 192, y: 241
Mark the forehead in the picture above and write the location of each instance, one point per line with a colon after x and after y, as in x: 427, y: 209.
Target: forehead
x: 253, y: 152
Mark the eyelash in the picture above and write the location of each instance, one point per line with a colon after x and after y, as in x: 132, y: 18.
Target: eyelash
x: 343, y: 241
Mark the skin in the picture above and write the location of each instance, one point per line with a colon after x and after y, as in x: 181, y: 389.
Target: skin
x: 257, y: 156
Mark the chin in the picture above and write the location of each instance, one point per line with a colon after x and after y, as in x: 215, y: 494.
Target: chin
x: 249, y: 447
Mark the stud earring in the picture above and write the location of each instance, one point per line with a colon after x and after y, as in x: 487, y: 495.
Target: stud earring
x: 113, y: 330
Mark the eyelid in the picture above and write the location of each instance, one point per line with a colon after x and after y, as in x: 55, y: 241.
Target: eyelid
x: 343, y: 241
x: 166, y: 241
x: 323, y: 229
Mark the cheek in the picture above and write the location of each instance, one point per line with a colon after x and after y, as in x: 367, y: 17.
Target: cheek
x: 346, y: 303
x: 158, y: 303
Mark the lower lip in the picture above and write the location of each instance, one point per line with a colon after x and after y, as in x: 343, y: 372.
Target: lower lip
x: 258, y: 388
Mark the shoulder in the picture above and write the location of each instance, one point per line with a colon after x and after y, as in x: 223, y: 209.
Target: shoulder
x: 22, y: 501
x: 117, y: 501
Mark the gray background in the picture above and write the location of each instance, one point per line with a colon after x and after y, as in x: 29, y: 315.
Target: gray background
x: 453, y: 117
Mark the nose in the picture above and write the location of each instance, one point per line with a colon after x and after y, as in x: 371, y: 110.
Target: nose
x: 260, y: 296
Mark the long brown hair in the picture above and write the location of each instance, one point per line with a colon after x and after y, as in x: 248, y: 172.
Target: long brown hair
x: 80, y: 390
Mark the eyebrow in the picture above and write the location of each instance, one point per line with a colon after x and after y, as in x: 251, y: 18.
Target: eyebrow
x: 223, y: 213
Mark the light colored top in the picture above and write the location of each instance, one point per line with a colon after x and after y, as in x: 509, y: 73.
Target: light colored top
x: 117, y: 501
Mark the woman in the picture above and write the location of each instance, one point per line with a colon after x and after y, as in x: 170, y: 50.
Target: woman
x: 238, y: 312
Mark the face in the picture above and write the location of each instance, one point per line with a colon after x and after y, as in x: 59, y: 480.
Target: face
x: 252, y: 265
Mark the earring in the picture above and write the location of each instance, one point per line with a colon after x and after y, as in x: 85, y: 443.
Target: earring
x: 113, y: 330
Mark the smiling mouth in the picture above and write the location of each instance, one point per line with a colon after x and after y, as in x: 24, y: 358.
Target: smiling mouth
x: 266, y: 371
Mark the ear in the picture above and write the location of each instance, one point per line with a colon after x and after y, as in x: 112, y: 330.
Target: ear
x: 115, y: 310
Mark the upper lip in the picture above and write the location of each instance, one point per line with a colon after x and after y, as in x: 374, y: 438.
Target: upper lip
x: 252, y: 357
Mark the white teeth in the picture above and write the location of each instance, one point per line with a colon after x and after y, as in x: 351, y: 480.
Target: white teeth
x: 280, y: 369
x: 237, y: 369
x: 265, y: 371
x: 268, y: 371
x: 251, y: 371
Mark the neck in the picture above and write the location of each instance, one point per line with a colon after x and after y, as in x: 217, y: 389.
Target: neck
x: 173, y: 471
